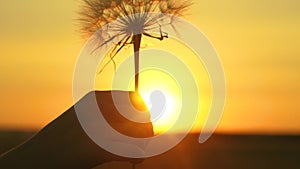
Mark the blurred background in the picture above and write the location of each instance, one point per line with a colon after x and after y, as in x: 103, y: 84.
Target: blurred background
x: 258, y: 43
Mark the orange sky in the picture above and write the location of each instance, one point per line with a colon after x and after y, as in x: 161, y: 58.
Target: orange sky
x: 258, y: 42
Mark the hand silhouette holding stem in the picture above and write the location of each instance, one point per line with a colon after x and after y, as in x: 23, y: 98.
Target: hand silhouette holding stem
x: 64, y: 144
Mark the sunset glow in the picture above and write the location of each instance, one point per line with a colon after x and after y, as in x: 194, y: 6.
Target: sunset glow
x: 257, y: 41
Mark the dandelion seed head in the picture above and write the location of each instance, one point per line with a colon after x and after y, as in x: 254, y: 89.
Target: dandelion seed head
x: 107, y: 22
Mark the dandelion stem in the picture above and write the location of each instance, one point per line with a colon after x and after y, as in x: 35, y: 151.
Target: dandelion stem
x: 136, y: 47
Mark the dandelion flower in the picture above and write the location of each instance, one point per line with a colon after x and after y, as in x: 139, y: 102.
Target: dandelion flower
x: 132, y: 19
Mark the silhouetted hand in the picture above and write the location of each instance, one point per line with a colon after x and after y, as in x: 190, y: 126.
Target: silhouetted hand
x: 64, y: 144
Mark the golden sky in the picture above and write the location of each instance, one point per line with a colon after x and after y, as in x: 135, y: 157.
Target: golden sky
x: 258, y: 43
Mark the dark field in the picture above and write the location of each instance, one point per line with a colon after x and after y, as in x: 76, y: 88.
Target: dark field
x: 219, y: 152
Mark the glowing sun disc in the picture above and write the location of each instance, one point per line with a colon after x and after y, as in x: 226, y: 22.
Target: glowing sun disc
x: 155, y: 80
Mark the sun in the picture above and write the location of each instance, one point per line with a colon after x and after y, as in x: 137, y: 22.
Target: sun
x: 161, y: 95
